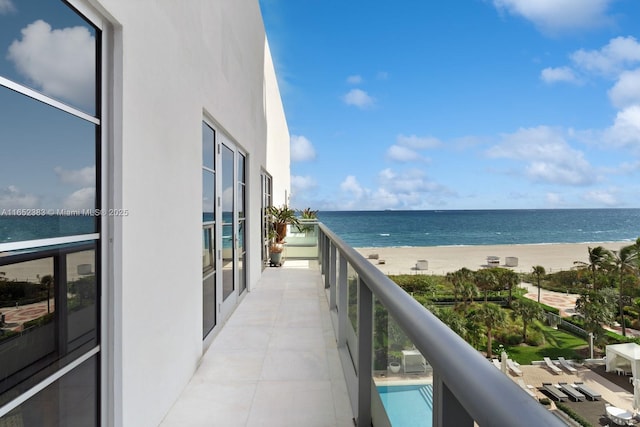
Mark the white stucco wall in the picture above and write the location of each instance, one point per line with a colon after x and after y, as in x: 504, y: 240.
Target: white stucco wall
x: 180, y: 61
x: 278, y: 152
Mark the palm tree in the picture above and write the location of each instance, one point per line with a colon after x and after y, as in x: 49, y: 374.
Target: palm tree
x: 508, y: 279
x: 623, y: 262
x: 485, y: 281
x: 457, y: 280
x: 539, y: 272
x: 469, y: 292
x: 599, y: 258
x: 490, y: 315
x: 528, y: 312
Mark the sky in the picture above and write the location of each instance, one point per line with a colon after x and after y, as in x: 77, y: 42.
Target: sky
x: 464, y: 104
x: 49, y: 155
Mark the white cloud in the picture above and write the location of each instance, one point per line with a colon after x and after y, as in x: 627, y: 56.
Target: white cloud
x: 12, y: 198
x: 601, y: 197
x: 418, y: 143
x: 626, y: 91
x: 558, y: 15
x: 625, y: 131
x: 354, y: 80
x: 302, y: 183
x: 351, y: 186
x: 301, y: 149
x: 554, y: 199
x: 559, y: 74
x: 84, y: 177
x: 81, y: 199
x: 6, y: 6
x: 610, y: 60
x: 358, y: 98
x: 59, y: 62
x: 550, y: 158
x: 403, y: 154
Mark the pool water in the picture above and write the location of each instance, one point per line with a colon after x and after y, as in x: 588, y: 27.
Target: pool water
x: 408, y: 405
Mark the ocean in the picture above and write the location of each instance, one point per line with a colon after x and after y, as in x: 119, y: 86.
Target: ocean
x: 482, y: 227
x: 411, y: 228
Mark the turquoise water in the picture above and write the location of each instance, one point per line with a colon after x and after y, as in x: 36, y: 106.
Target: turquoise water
x: 408, y: 405
x: 482, y: 227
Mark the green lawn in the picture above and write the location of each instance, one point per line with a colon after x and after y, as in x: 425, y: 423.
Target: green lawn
x: 557, y: 343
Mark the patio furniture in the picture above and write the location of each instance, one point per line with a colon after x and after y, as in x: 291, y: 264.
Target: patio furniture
x: 589, y: 393
x: 555, y: 392
x: 572, y: 392
x: 514, y: 368
x: 620, y: 416
x: 551, y: 366
x: 413, y: 362
x: 566, y: 365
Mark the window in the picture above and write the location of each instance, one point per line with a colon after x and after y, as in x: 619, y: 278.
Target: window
x: 208, y: 229
x: 49, y: 214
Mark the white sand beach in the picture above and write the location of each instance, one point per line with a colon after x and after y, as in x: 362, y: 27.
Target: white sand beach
x: 444, y: 259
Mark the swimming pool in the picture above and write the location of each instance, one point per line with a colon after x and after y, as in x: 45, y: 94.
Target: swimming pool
x: 408, y: 405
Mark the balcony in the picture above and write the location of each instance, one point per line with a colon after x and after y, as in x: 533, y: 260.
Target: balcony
x: 312, y: 345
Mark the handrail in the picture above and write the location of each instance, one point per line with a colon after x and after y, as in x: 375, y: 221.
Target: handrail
x: 489, y: 396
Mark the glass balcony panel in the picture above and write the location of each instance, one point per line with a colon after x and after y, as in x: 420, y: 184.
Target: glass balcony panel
x: 403, y: 377
x: 352, y: 313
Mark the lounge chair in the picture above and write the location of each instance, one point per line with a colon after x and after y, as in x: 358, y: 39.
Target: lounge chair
x: 620, y: 416
x: 496, y: 363
x: 527, y: 388
x: 555, y: 392
x: 572, y: 392
x: 590, y: 394
x: 514, y: 368
x: 551, y: 366
x: 566, y: 365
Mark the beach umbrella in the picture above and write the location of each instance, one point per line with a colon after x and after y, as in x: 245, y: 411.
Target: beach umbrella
x: 503, y: 362
x: 636, y: 394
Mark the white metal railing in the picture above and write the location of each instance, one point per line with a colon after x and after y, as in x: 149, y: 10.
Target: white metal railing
x: 466, y: 388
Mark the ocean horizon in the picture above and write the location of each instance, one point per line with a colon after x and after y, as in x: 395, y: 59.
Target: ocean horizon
x: 410, y: 228
x: 482, y: 227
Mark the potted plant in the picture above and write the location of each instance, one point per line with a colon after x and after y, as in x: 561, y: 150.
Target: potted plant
x: 279, y: 218
x: 394, y: 361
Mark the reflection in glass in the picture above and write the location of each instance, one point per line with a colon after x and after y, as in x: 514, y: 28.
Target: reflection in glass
x: 58, y: 151
x: 49, y: 315
x: 208, y: 260
x: 208, y: 196
x: 242, y: 280
x: 208, y: 144
x: 51, y: 49
x: 208, y: 303
x: 82, y: 310
x: 227, y: 260
x: 228, y: 246
x: 70, y: 401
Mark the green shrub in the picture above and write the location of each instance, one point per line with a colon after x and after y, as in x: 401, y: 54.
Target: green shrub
x: 574, y: 415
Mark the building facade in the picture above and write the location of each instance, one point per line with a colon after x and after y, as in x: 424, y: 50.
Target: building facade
x: 141, y: 143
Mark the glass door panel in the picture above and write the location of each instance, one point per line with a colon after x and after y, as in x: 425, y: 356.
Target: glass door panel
x: 228, y: 237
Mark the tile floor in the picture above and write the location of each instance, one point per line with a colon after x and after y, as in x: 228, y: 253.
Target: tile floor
x: 275, y: 362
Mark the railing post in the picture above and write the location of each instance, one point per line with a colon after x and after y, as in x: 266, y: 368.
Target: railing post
x: 365, y: 346
x: 447, y: 410
x: 342, y: 302
x: 332, y: 267
x: 327, y: 265
x: 334, y: 278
